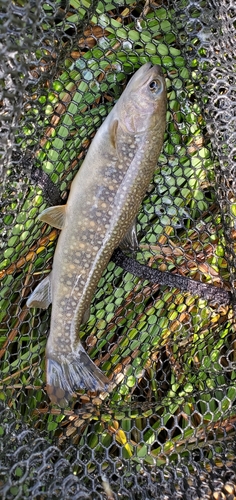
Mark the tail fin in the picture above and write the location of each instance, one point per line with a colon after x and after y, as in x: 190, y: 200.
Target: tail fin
x: 68, y: 373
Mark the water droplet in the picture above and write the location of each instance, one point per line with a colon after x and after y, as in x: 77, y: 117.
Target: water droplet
x: 79, y: 64
x: 87, y: 75
x: 117, y: 67
x: 103, y: 43
x: 127, y: 44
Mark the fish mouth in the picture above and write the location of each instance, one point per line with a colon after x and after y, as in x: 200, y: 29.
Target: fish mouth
x: 145, y: 73
x: 150, y: 71
x: 154, y: 67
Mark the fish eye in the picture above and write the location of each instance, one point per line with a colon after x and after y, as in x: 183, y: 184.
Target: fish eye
x: 155, y: 86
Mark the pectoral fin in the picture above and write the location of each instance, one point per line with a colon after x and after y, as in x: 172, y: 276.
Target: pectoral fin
x: 113, y: 133
x: 55, y: 216
x: 41, y: 296
x: 130, y: 241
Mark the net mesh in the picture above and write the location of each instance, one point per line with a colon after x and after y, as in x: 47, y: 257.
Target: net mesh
x: 167, y: 429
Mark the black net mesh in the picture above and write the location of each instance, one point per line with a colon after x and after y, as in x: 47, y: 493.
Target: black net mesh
x: 167, y: 428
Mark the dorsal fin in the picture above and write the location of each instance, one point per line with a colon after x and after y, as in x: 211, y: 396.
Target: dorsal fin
x: 55, y: 216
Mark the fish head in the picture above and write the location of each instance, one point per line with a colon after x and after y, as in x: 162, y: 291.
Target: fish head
x: 142, y: 105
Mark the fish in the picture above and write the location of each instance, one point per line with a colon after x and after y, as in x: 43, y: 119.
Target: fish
x: 99, y: 216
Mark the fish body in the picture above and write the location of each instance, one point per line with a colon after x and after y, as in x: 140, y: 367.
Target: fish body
x: 104, y: 199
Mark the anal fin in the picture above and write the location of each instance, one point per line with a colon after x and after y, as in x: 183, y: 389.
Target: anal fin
x: 41, y: 296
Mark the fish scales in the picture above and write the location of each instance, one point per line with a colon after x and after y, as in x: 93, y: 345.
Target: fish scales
x: 104, y: 199
x: 93, y: 219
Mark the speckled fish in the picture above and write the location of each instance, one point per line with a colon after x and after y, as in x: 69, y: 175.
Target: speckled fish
x: 99, y: 216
